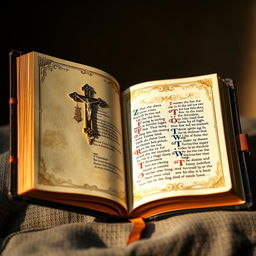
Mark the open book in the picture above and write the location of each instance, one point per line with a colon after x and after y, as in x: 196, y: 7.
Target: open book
x: 158, y: 147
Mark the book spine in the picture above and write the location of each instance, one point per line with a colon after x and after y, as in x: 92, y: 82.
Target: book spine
x: 12, y: 181
x: 242, y: 148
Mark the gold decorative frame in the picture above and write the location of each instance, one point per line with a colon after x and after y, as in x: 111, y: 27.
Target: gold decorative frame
x: 206, y: 85
x: 200, y: 84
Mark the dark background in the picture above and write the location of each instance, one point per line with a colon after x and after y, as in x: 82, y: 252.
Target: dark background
x: 135, y: 41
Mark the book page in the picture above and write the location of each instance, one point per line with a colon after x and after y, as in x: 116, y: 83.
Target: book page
x: 177, y: 141
x: 66, y: 158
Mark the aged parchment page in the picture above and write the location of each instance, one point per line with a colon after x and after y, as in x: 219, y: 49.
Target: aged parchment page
x: 64, y: 160
x: 177, y: 139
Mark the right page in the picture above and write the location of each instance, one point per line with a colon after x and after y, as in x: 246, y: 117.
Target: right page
x: 176, y: 139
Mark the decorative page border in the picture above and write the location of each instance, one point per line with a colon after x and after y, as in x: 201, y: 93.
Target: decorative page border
x: 206, y: 84
x: 46, y: 65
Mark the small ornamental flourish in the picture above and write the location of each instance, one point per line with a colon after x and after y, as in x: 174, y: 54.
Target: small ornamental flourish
x: 206, y: 82
x: 46, y: 65
x: 205, y: 85
x: 49, y: 179
x: 86, y: 72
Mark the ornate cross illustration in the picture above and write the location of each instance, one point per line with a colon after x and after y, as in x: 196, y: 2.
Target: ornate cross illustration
x: 89, y: 103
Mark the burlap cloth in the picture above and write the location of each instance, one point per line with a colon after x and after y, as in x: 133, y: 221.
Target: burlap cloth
x: 35, y: 230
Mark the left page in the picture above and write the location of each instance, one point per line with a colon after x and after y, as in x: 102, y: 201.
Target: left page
x: 66, y: 159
